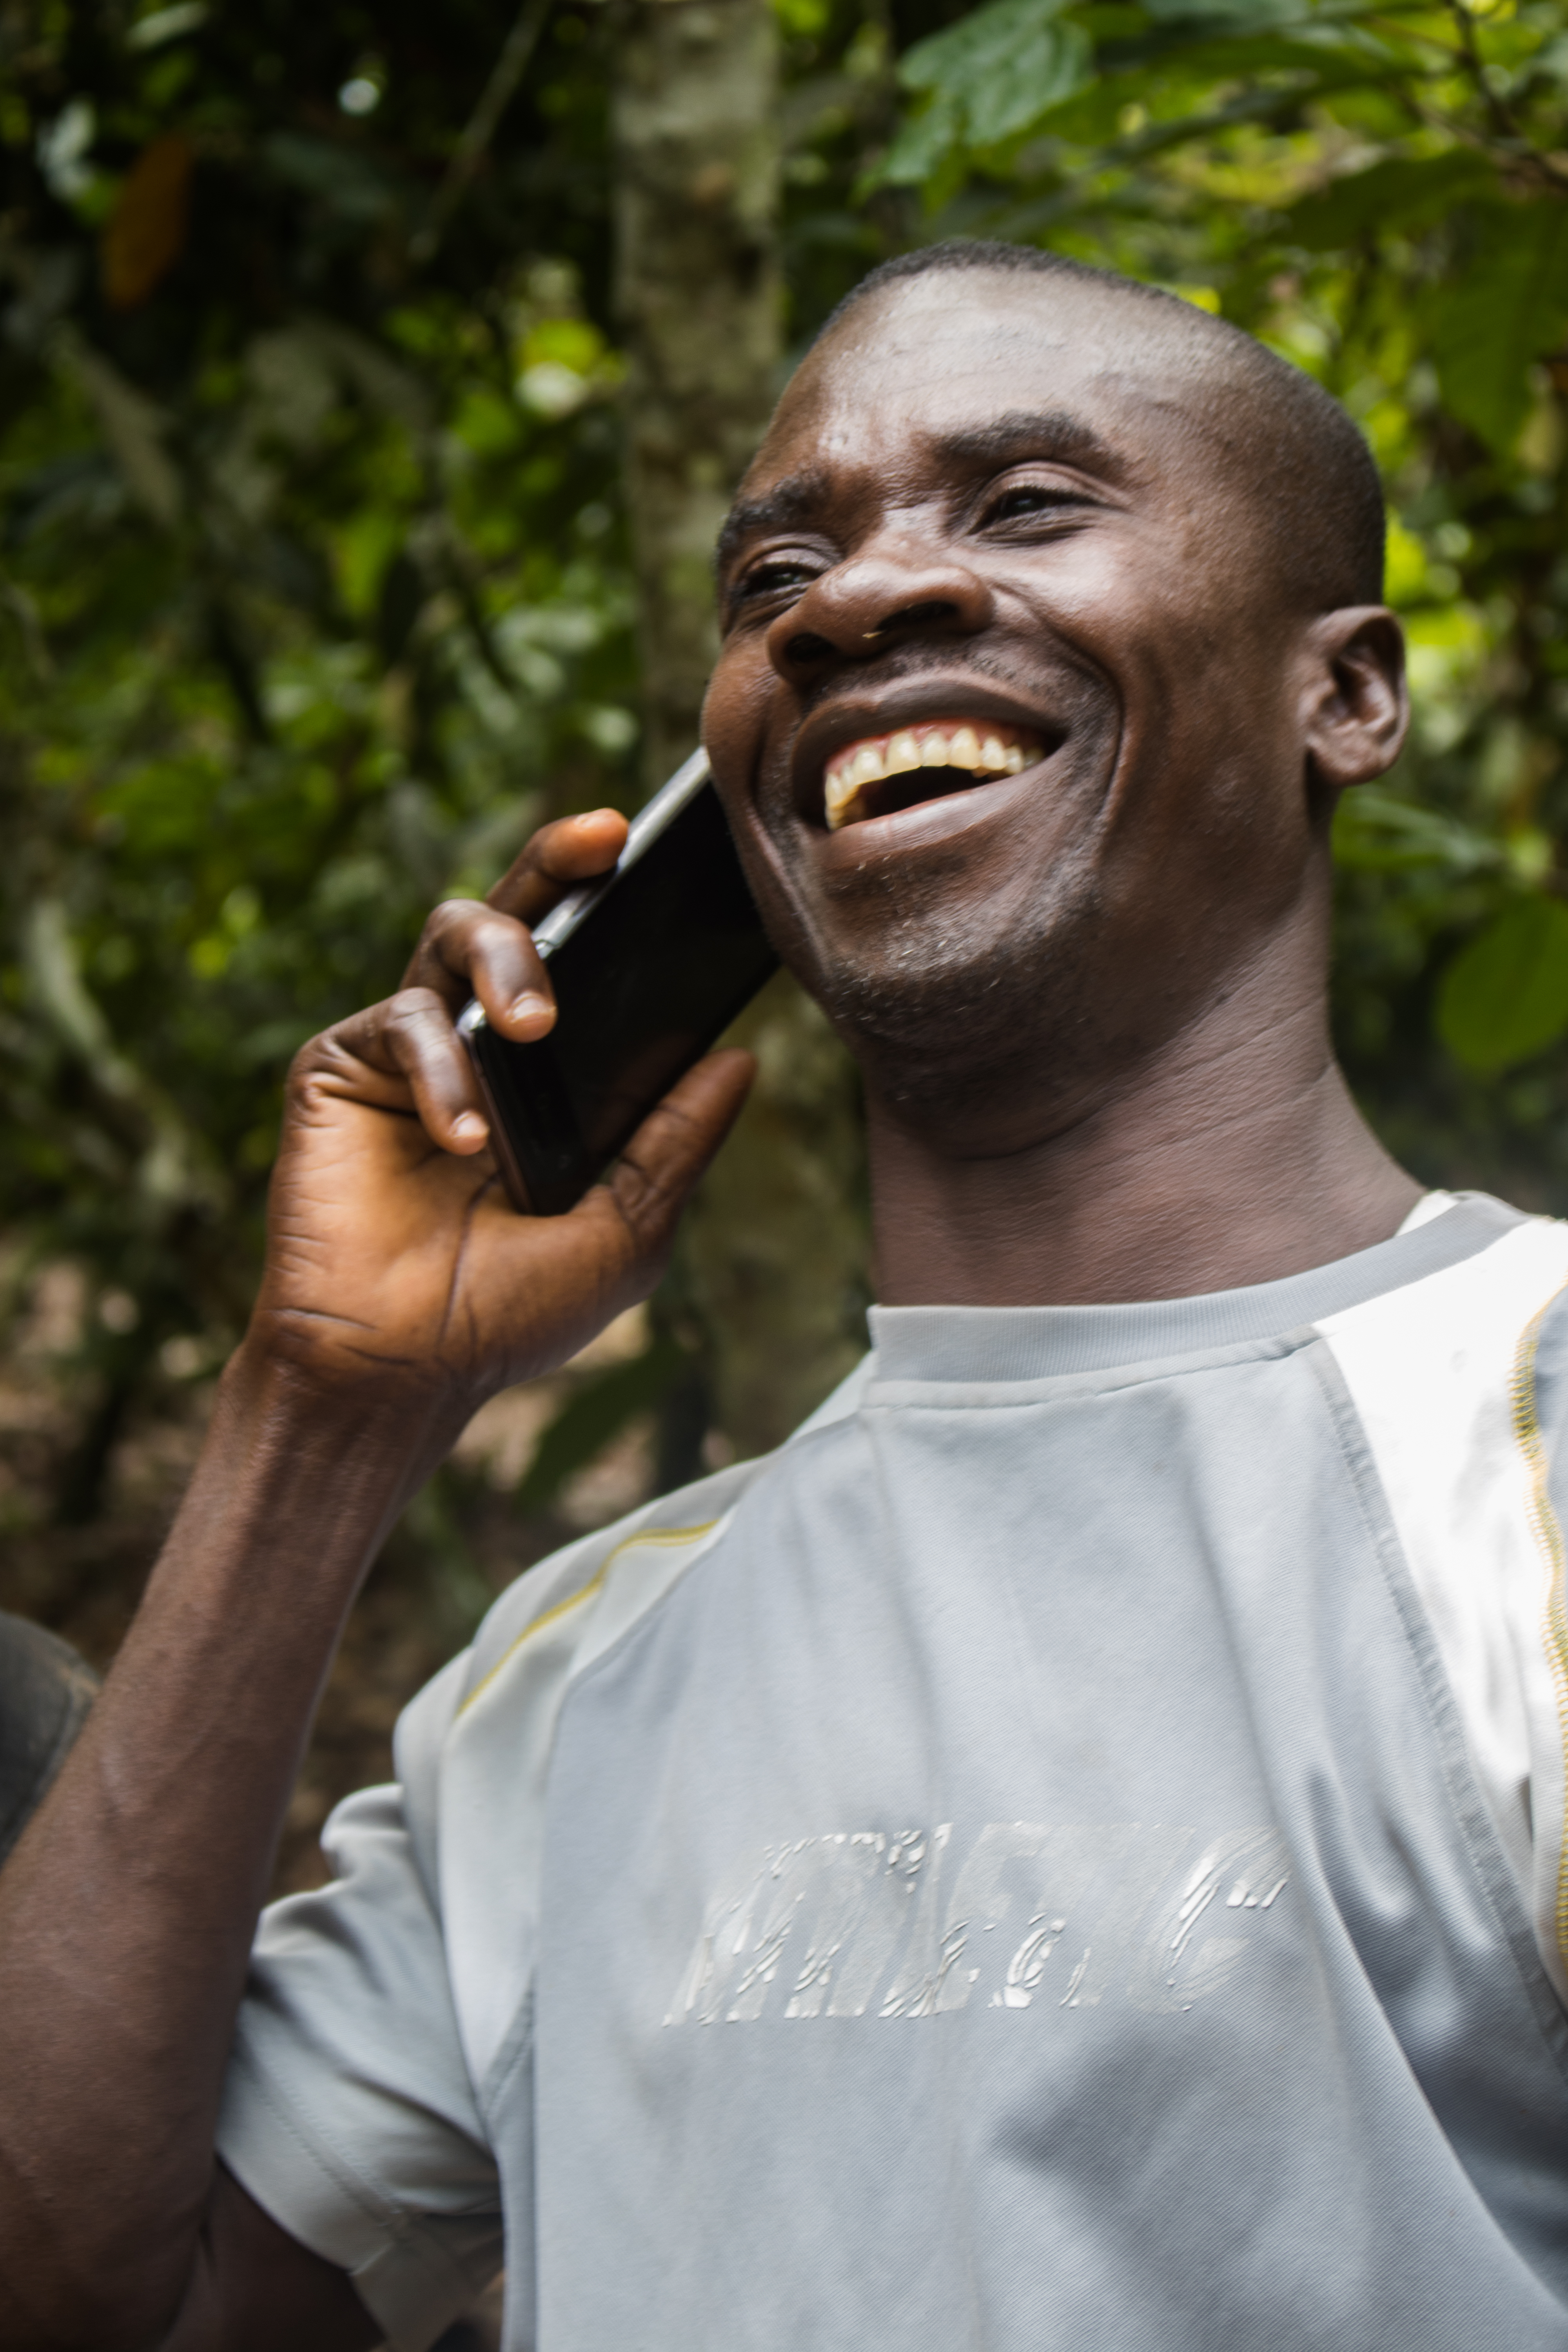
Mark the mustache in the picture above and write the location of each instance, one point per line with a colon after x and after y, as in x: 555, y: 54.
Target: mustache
x: 907, y: 665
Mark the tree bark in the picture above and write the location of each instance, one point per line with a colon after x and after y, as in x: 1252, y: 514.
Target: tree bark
x: 772, y: 1256
x: 698, y: 179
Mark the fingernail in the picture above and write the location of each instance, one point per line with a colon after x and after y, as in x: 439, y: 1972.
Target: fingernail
x: 469, y: 1128
x: 529, y: 1006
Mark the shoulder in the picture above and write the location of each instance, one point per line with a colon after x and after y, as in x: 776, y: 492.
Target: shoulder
x: 475, y: 1747
x: 562, y: 1614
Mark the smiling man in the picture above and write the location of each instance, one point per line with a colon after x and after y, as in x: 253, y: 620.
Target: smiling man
x: 1068, y: 1852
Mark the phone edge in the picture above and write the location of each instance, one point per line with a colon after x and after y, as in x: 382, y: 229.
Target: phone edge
x: 652, y: 819
x: 470, y: 1021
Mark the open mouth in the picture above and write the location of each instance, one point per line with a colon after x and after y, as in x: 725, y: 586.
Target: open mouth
x: 881, y: 774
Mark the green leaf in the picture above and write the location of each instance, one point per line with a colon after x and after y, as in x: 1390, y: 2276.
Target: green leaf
x: 1508, y: 309
x: 1004, y: 65
x: 1376, y: 832
x: 925, y: 139
x: 597, y: 1412
x: 1505, y: 996
x: 1405, y: 192
x: 1238, y: 15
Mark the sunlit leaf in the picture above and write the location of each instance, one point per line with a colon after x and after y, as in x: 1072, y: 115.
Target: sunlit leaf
x: 925, y: 137
x: 1505, y: 996
x: 1005, y: 66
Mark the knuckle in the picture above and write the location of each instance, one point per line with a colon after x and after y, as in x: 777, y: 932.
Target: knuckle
x: 404, y: 1028
x: 303, y: 1066
x: 448, y: 930
x: 647, y: 1198
x: 319, y: 1055
x: 451, y: 914
x: 407, y: 1012
x: 325, y: 1062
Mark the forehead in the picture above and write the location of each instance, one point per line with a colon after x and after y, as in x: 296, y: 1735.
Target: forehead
x: 920, y: 374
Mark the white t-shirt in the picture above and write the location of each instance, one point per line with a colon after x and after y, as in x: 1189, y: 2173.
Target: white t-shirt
x: 1265, y: 1588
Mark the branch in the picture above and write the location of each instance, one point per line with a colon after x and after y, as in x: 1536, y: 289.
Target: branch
x: 479, y: 129
x: 1509, y: 139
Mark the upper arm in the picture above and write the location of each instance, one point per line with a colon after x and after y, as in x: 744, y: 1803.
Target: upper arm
x: 255, y: 2287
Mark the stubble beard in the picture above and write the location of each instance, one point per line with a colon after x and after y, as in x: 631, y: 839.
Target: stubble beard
x: 952, y: 1018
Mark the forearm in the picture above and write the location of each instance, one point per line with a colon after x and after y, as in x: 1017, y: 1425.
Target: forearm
x: 399, y: 1291
x: 126, y: 1912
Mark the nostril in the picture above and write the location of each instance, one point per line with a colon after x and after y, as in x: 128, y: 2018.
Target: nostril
x: 915, y: 617
x: 807, y: 649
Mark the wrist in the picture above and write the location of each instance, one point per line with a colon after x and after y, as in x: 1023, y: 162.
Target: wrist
x: 315, y: 1465
x: 273, y: 1383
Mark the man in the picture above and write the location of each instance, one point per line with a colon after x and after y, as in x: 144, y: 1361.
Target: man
x: 1068, y: 1852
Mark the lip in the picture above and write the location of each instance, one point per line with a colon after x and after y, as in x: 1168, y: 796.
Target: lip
x: 909, y: 702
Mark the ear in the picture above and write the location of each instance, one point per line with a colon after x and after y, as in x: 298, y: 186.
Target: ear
x: 1356, y: 706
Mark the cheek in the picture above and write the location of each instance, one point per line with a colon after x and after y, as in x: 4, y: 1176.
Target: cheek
x: 735, y: 713
x: 1212, y: 769
x: 742, y: 699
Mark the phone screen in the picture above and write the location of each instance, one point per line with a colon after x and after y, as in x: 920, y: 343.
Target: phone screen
x: 647, y: 981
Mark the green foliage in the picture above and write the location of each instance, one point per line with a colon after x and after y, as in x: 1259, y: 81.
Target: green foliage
x: 598, y: 1411
x: 1507, y: 308
x: 312, y: 590
x: 989, y: 76
x: 313, y: 593
x: 1505, y: 995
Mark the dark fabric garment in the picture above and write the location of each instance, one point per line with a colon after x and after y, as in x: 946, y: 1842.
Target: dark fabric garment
x: 45, y: 1690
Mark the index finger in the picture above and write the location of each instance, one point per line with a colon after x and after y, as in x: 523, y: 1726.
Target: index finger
x: 573, y: 849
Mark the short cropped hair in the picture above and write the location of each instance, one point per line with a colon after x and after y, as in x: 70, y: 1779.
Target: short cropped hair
x: 1318, y: 488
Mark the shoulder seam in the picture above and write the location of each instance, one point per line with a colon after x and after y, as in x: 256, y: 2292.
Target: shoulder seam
x: 658, y: 1536
x: 1546, y: 1529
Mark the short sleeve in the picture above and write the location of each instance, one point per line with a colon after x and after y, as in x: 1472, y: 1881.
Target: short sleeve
x: 349, y: 2114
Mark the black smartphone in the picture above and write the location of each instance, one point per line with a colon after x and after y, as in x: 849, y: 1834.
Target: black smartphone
x: 649, y: 964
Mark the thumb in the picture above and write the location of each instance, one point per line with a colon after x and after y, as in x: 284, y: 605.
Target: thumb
x: 649, y: 1187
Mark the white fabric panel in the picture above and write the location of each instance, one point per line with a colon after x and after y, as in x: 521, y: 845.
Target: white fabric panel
x: 1430, y: 1369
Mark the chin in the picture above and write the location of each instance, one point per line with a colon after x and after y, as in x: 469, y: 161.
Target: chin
x: 951, y: 1013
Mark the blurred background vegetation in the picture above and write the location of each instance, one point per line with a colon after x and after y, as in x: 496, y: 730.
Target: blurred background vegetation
x: 371, y: 384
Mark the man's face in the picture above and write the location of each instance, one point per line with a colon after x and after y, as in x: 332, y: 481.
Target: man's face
x: 1006, y: 717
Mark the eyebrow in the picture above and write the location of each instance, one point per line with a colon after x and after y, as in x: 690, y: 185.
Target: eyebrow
x: 1053, y: 434
x: 794, y: 500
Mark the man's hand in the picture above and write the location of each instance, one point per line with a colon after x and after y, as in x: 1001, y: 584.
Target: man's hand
x: 392, y: 1251
x: 400, y: 1289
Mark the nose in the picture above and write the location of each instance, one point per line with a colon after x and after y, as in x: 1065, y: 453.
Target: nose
x: 873, y: 602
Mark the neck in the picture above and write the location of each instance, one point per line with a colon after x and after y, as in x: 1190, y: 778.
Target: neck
x: 1234, y: 1155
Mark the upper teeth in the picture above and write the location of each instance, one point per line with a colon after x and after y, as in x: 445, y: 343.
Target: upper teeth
x: 944, y: 743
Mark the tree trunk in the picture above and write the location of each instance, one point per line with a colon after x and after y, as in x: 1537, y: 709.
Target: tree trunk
x: 698, y: 176
x: 773, y: 1256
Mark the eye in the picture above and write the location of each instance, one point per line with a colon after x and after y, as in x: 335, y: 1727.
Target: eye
x: 774, y: 576
x: 1027, y: 498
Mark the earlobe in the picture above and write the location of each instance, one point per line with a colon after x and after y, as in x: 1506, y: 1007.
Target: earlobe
x: 1357, y: 706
